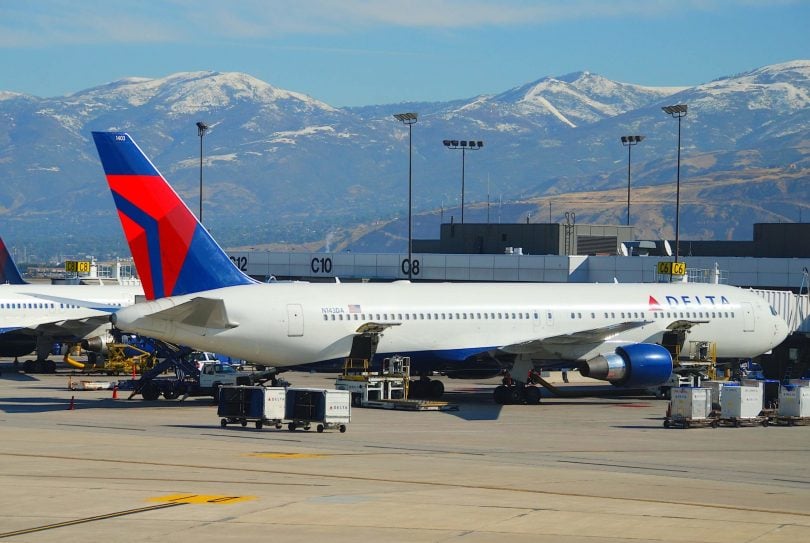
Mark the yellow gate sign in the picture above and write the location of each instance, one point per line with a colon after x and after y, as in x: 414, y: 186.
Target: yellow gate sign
x: 77, y: 266
x: 672, y: 268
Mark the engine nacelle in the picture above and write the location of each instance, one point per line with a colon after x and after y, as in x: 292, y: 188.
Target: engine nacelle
x: 96, y: 344
x: 638, y: 365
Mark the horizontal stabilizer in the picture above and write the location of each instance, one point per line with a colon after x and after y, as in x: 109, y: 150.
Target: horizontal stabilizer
x: 199, y: 312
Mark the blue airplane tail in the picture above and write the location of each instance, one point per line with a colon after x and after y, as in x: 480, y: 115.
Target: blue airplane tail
x: 174, y: 254
x: 9, y: 273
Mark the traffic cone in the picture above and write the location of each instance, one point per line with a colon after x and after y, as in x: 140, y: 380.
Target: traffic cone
x: 70, y: 407
x: 115, y: 391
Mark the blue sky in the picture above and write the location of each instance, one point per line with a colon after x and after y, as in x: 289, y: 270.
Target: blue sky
x: 360, y: 52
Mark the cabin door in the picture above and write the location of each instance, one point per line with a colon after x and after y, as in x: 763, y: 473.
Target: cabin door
x: 295, y: 320
x: 748, y: 317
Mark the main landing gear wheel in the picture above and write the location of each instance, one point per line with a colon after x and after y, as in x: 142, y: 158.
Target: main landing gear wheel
x: 532, y: 395
x: 501, y: 394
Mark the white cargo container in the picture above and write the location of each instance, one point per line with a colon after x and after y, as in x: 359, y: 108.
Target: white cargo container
x: 743, y: 402
x: 794, y: 402
x: 717, y: 389
x: 691, y: 403
x: 243, y: 404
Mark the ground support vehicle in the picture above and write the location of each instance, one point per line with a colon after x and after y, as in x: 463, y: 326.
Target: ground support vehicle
x: 389, y: 388
x: 391, y: 383
x: 263, y: 406
x: 328, y: 408
x: 187, y: 380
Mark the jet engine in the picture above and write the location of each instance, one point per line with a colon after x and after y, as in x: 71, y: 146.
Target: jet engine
x: 96, y: 344
x: 637, y: 365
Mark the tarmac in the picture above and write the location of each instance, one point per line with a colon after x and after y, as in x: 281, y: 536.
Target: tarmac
x: 596, y: 469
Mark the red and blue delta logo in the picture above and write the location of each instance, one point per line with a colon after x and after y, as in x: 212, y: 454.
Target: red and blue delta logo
x: 683, y: 301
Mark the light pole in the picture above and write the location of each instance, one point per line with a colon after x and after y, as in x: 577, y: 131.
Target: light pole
x: 677, y: 112
x: 464, y: 146
x: 409, y: 119
x: 629, y: 142
x: 201, y: 130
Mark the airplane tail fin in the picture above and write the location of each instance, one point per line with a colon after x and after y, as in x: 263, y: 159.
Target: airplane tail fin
x: 174, y: 254
x: 9, y: 273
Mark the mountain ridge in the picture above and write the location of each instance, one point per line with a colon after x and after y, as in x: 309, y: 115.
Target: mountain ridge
x: 283, y: 167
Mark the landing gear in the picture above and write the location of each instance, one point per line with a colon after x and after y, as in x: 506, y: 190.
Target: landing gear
x: 516, y: 394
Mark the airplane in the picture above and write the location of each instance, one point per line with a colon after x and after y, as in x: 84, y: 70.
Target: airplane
x: 197, y: 297
x: 9, y: 273
x: 35, y: 316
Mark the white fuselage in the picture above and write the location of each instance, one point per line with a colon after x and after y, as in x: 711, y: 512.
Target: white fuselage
x: 283, y: 324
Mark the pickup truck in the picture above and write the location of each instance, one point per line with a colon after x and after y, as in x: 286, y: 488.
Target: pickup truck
x: 215, y: 374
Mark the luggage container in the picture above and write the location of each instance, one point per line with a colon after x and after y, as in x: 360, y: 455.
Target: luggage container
x: 689, y: 406
x: 328, y: 408
x: 716, y: 388
x: 742, y: 404
x: 257, y: 404
x: 794, y: 405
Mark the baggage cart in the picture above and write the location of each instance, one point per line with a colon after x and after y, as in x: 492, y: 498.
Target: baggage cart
x: 742, y: 406
x: 794, y: 405
x: 690, y: 406
x: 328, y: 408
x: 257, y: 404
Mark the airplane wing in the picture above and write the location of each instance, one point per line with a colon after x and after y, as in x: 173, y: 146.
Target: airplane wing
x: 583, y: 337
x: 684, y: 324
x: 375, y: 327
x: 199, y: 311
x: 61, y: 328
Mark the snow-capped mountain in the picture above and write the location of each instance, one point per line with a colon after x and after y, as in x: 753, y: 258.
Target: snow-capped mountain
x: 575, y: 99
x: 280, y: 166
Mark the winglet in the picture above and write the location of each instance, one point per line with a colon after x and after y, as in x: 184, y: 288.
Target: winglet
x: 174, y: 254
x: 9, y: 273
